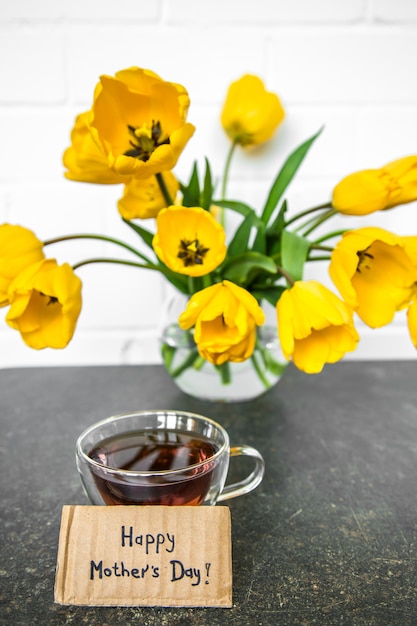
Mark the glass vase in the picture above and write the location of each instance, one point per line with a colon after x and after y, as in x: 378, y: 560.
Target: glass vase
x: 230, y: 382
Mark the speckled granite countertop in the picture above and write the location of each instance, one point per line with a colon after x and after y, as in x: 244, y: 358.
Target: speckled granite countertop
x: 330, y: 537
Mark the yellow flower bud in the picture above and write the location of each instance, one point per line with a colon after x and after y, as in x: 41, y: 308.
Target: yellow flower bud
x: 373, y: 190
x: 251, y: 114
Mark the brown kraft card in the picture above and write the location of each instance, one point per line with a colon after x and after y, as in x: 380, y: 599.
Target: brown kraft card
x: 144, y: 556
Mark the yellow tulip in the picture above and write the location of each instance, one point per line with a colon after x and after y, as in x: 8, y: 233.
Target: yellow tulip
x: 373, y: 190
x: 225, y: 317
x: 189, y: 240
x: 315, y: 326
x: 136, y: 127
x: 251, y: 114
x: 373, y: 273
x: 45, y: 302
x: 19, y: 247
x: 143, y: 199
x: 140, y: 122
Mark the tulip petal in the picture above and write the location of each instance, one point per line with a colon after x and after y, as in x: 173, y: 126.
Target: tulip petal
x: 315, y: 326
x: 19, y: 248
x: 412, y: 321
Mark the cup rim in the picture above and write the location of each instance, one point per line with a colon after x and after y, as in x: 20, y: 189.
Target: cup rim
x: 146, y: 473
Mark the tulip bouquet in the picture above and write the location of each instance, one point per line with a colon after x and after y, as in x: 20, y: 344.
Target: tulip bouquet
x: 133, y: 135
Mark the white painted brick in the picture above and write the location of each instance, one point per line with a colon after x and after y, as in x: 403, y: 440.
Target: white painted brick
x: 385, y: 134
x: 180, y: 55
x: 401, y: 220
x: 103, y: 10
x: 33, y: 142
x: 264, y: 11
x: 388, y: 343
x: 4, y: 204
x: 344, y: 66
x: 86, y: 348
x: 98, y: 11
x: 26, y: 10
x: 32, y: 65
x: 63, y: 208
x: 119, y: 297
x: 404, y: 11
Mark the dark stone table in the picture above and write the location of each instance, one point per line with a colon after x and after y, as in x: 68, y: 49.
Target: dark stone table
x: 330, y: 537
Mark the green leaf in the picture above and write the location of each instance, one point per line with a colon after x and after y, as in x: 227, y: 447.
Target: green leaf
x: 294, y: 252
x: 285, y: 176
x: 244, y: 268
x: 240, y: 241
x: 274, y: 233
x: 191, y: 192
x: 259, y: 244
x: 275, y: 367
x: 238, y: 207
x: 249, y: 214
x: 167, y: 353
x: 144, y: 234
x: 208, y: 188
x: 278, y: 224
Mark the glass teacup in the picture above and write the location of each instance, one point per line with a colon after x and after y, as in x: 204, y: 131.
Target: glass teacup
x: 161, y: 458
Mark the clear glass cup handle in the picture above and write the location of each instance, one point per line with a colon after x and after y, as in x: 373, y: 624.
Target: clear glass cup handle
x: 250, y: 482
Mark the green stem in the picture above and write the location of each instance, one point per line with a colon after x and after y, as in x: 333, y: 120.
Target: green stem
x: 285, y: 274
x: 207, y: 280
x: 314, y: 209
x: 227, y: 169
x: 193, y: 285
x: 335, y: 233
x: 224, y: 371
x: 319, y: 221
x: 314, y: 246
x: 147, y: 266
x: 318, y: 258
x: 259, y: 372
x: 226, y: 179
x: 191, y: 359
x: 164, y: 189
x: 118, y: 242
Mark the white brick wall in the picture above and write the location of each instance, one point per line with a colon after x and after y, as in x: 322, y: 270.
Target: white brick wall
x: 347, y: 64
